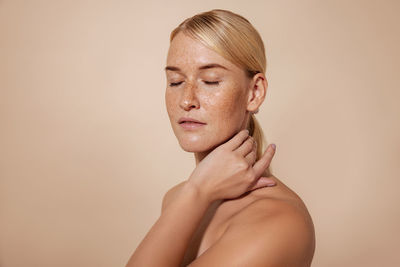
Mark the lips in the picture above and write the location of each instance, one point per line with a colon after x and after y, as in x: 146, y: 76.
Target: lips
x: 190, y: 124
x: 189, y: 120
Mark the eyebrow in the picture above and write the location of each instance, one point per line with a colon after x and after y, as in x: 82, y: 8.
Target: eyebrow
x: 208, y: 66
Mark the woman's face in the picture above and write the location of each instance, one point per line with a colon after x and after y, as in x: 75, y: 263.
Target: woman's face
x: 204, y: 86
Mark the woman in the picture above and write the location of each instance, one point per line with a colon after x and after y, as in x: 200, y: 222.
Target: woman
x: 231, y: 211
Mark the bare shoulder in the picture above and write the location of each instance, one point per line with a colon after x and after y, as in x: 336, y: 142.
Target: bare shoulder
x: 280, y: 221
x: 170, y: 194
x: 275, y: 201
x: 273, y: 230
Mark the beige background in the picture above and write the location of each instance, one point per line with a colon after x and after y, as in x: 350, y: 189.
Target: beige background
x: 87, y: 152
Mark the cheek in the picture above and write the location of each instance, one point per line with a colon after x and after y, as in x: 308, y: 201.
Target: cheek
x: 170, y: 102
x: 227, y: 107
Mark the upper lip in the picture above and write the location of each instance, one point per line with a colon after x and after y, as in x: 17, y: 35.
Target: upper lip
x: 183, y: 119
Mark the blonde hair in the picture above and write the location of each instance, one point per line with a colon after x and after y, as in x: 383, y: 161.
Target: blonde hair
x: 233, y: 37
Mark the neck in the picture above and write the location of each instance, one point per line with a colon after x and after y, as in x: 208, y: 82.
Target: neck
x: 199, y: 156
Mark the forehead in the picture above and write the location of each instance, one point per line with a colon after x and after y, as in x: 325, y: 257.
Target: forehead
x: 186, y: 52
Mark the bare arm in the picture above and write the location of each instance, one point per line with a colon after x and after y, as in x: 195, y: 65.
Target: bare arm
x: 227, y: 172
x: 167, y: 240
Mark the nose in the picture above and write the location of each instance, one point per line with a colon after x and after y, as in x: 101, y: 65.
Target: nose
x: 189, y: 99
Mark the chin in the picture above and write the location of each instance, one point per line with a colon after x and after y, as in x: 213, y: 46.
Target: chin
x: 196, y: 145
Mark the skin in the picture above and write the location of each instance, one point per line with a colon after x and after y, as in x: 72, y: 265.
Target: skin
x: 225, y: 107
x: 234, y: 215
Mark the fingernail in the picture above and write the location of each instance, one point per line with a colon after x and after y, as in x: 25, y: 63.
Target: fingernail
x: 273, y: 146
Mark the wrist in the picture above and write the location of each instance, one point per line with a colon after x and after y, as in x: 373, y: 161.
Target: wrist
x: 200, y: 193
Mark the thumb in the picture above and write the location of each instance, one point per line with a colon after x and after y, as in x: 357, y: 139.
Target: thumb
x: 262, y: 164
x: 263, y: 182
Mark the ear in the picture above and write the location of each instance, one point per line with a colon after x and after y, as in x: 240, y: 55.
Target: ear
x: 257, y: 92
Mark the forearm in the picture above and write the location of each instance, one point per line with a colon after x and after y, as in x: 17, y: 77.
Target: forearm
x: 167, y: 240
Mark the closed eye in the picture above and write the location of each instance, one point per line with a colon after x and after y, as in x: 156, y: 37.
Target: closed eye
x: 211, y: 83
x: 175, y: 84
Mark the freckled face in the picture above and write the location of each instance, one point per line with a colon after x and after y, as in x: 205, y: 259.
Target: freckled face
x: 216, y: 96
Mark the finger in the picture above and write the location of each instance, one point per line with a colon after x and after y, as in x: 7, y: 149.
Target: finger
x: 246, y: 147
x: 237, y: 140
x: 262, y: 164
x: 263, y: 182
x: 251, y: 157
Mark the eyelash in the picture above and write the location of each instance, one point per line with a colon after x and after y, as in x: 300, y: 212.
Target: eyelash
x: 211, y: 83
x: 206, y: 82
x: 175, y: 84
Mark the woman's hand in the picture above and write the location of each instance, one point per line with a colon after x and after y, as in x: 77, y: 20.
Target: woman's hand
x: 231, y: 169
